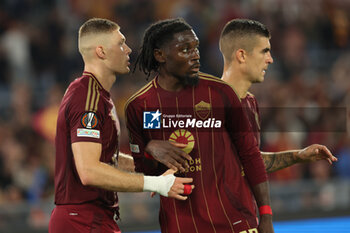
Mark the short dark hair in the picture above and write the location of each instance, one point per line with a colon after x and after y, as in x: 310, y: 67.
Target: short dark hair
x: 244, y: 27
x: 156, y: 35
x: 97, y: 25
x: 240, y: 33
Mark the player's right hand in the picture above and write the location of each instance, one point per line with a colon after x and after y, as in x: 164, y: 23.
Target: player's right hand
x: 178, y: 190
x: 169, y: 154
x: 314, y: 153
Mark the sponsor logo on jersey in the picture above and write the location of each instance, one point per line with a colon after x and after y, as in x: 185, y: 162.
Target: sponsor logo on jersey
x: 91, y: 133
x: 185, y: 137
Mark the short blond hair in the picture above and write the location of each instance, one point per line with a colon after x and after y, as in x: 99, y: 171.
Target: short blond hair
x: 96, y: 26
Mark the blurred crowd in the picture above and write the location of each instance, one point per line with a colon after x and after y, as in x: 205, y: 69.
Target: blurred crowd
x: 39, y: 57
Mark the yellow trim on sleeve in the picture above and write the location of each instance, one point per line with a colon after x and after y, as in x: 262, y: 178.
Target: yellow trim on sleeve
x: 143, y: 90
x: 88, y: 96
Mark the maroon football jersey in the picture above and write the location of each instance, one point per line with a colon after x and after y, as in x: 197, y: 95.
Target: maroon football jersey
x: 208, y: 118
x: 251, y: 108
x: 86, y: 114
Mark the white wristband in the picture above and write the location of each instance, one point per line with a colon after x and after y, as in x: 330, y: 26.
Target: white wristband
x: 159, y: 184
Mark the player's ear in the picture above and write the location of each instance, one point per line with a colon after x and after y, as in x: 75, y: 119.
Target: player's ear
x: 159, y: 55
x: 241, y: 55
x: 100, y: 52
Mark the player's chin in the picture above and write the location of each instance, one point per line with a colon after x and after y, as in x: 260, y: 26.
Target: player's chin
x: 191, y: 80
x: 259, y: 80
x: 125, y: 71
x: 193, y: 74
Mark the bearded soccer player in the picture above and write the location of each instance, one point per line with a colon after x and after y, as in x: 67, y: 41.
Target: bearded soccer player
x: 245, y: 46
x: 86, y: 181
x: 180, y: 104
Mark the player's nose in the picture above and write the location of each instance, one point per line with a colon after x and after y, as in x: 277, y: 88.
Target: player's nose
x: 269, y: 59
x: 128, y: 49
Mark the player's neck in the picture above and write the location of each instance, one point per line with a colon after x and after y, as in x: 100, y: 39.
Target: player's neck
x: 169, y: 83
x: 105, y: 77
x: 236, y: 80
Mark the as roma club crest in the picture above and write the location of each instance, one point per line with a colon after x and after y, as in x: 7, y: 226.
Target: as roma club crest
x: 202, y: 109
x: 89, y: 120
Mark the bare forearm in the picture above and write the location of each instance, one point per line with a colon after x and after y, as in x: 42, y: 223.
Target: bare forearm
x: 275, y: 161
x: 95, y: 173
x: 107, y: 177
x: 261, y: 193
x: 262, y: 196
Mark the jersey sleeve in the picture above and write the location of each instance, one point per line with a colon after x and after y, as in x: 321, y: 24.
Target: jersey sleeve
x: 84, y: 125
x: 137, y: 140
x: 243, y: 137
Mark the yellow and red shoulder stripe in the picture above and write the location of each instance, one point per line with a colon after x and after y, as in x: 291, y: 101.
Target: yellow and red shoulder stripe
x: 93, y: 93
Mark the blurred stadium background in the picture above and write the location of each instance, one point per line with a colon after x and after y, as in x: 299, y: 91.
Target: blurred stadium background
x: 310, y: 78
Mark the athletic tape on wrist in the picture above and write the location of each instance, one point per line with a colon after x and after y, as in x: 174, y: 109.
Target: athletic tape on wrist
x: 159, y: 184
x: 265, y: 209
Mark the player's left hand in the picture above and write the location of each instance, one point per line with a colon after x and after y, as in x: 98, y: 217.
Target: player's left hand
x: 169, y: 154
x: 314, y: 153
x: 265, y: 224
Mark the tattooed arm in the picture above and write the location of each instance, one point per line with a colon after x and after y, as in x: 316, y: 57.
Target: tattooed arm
x: 275, y: 161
